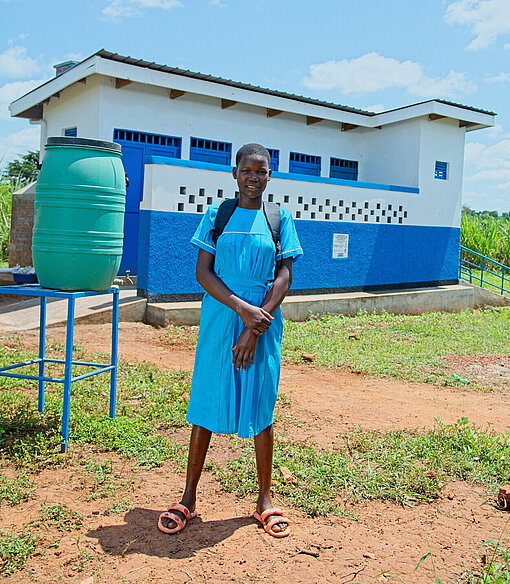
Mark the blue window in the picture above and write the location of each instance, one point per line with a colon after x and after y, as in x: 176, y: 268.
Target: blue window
x: 210, y: 151
x: 275, y: 159
x: 157, y: 144
x: 305, y: 164
x: 71, y: 131
x: 340, y: 168
x: 441, y: 170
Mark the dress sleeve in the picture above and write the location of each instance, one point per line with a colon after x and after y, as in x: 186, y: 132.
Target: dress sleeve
x: 203, y: 237
x: 291, y: 248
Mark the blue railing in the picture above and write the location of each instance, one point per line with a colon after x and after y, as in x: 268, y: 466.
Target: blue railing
x: 478, y: 269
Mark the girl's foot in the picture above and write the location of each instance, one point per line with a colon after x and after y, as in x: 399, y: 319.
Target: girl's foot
x: 273, y: 522
x: 175, y: 518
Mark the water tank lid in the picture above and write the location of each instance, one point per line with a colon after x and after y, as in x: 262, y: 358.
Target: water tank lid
x: 83, y: 142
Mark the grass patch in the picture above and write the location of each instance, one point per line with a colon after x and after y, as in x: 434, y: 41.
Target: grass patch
x: 181, y: 336
x: 15, y: 550
x: 493, y: 278
x: 17, y: 490
x: 408, y: 347
x: 60, y: 516
x: 145, y: 397
x: 401, y: 466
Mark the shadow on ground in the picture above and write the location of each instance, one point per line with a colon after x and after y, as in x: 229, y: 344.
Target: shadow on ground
x: 139, y: 534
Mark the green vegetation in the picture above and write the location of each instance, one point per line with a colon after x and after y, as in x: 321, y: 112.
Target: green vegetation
x: 487, y: 234
x: 17, y: 490
x: 17, y: 174
x: 61, y: 517
x: 408, y: 347
x: 15, y: 550
x: 495, y: 566
x: 146, y: 396
x: 492, y: 279
x: 22, y: 170
x: 6, y: 191
x: 400, y: 466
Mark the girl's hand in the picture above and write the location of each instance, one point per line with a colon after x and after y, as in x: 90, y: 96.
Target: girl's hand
x: 244, y: 349
x: 255, y: 318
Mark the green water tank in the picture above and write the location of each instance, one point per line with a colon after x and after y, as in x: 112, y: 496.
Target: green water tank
x: 79, y: 207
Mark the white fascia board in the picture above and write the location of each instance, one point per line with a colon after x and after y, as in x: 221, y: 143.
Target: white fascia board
x: 52, y: 86
x: 482, y: 120
x: 218, y: 90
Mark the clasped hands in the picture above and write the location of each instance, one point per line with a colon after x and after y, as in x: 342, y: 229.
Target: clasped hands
x: 257, y: 321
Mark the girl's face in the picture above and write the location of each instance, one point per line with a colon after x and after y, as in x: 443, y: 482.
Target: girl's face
x: 252, y: 175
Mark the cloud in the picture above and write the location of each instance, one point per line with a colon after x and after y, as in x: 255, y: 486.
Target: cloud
x: 487, y: 172
x: 74, y: 57
x: 19, y: 143
x: 14, y: 62
x: 218, y: 3
x: 376, y: 108
x: 373, y: 72
x: 117, y: 9
x: 487, y: 19
x: 501, y: 78
x: 11, y: 91
x: 489, y: 163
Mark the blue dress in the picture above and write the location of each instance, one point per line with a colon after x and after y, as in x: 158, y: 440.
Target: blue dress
x: 223, y: 399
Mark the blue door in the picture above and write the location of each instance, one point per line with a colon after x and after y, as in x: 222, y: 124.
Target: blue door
x: 135, y: 147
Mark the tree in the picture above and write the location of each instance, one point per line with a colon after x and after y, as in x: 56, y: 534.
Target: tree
x: 24, y: 170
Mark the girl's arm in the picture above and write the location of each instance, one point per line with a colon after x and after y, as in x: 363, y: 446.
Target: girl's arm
x: 257, y: 319
x: 244, y: 349
x: 280, y: 287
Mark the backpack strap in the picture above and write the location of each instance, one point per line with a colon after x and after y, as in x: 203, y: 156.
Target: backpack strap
x: 225, y: 211
x: 271, y: 212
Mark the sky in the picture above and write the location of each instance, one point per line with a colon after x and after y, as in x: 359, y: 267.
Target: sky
x: 367, y: 54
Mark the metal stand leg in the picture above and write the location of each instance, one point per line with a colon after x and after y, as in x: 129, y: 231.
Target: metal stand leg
x: 115, y: 337
x: 67, y: 375
x: 42, y: 352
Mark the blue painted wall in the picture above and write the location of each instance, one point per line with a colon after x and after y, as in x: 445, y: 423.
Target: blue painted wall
x: 379, y: 254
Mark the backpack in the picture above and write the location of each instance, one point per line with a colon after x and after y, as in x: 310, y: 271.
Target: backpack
x: 271, y: 211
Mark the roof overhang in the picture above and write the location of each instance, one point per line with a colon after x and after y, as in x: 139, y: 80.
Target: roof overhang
x: 126, y: 70
x: 435, y: 110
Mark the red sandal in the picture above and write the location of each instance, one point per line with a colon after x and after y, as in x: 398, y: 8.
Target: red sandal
x: 268, y: 526
x: 180, y: 523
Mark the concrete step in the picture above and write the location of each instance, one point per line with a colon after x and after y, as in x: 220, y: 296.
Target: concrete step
x: 24, y: 316
x: 408, y: 301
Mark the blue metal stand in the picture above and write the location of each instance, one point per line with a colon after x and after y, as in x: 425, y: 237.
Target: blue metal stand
x: 68, y: 379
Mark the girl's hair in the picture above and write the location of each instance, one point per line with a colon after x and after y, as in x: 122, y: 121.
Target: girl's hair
x: 252, y: 148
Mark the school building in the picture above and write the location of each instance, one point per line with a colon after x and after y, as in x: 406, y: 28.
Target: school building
x: 376, y: 197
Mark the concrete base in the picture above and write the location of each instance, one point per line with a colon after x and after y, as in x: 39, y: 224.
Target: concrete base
x: 298, y: 308
x: 24, y: 316
x: 484, y: 297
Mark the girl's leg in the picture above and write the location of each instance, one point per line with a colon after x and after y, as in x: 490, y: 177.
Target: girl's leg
x: 198, y: 445
x: 264, y: 457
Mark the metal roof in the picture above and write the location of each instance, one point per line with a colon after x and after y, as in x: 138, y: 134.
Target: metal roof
x: 446, y: 102
x: 195, y: 75
x: 240, y: 85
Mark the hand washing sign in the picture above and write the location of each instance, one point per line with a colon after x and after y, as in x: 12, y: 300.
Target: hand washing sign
x: 340, y: 245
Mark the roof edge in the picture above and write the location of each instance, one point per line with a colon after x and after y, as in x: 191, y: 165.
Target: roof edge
x: 104, y: 54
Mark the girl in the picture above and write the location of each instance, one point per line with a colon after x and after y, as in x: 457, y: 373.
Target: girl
x: 237, y: 362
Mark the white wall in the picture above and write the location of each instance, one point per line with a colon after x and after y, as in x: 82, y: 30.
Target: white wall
x: 78, y: 105
x: 168, y: 187
x: 390, y: 155
x: 442, y: 140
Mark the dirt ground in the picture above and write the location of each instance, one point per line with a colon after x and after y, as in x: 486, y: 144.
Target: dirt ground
x: 224, y: 544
